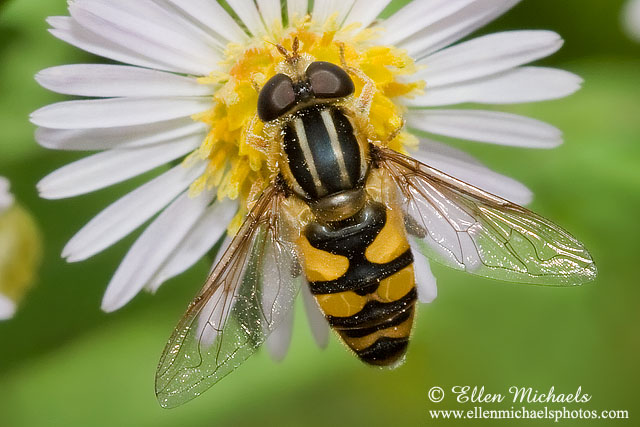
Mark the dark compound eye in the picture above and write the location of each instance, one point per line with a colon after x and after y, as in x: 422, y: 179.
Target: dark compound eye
x: 276, y: 98
x: 327, y: 80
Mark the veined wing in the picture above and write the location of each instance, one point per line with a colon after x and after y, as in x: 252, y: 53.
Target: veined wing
x: 249, y: 292
x: 466, y: 228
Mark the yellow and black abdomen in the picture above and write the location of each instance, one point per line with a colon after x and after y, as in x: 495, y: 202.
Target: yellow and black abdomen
x: 360, y: 271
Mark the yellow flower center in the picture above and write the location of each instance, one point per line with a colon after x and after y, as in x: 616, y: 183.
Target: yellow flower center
x: 239, y: 170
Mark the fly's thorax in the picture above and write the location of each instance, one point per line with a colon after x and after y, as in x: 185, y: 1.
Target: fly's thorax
x: 322, y: 154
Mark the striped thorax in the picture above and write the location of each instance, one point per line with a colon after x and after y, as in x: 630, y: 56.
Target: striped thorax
x: 323, y: 154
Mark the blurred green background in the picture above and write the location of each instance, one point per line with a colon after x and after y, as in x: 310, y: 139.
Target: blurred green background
x: 64, y: 362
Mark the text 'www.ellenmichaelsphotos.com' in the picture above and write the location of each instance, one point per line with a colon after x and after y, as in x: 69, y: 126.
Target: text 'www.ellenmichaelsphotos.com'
x: 526, y: 403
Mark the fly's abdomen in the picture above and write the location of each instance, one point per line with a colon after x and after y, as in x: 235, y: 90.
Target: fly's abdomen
x: 360, y: 271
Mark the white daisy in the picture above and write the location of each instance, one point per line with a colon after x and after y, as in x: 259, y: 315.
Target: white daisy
x: 631, y: 19
x: 189, y: 94
x: 20, y: 250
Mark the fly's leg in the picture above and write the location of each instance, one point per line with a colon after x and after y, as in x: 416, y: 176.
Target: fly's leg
x: 393, y: 134
x: 254, y: 140
x: 363, y: 104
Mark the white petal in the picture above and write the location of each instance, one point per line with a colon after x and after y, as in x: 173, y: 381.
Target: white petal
x: 320, y: 10
x: 62, y: 22
x: 431, y: 147
x: 456, y: 26
x: 248, y: 13
x: 524, y: 84
x: 166, y: 16
x: 6, y: 198
x: 425, y: 280
x: 147, y: 38
x: 214, y: 18
x: 204, y: 235
x: 159, y: 19
x: 466, y: 168
x: 297, y: 10
x: 97, y: 113
x: 323, y: 10
x: 631, y: 19
x: 365, y: 12
x: 487, y: 126
x: 279, y: 340
x: 416, y: 16
x: 103, y: 80
x: 128, y: 213
x: 317, y: 322
x: 66, y: 29
x: 487, y: 55
x: 271, y: 13
x: 7, y: 308
x: 118, y: 137
x: 153, y: 248
x: 110, y: 167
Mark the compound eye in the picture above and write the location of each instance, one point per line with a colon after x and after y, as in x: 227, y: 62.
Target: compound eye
x: 276, y: 98
x: 327, y: 80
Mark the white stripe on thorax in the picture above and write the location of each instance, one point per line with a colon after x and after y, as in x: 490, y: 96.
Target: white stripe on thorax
x: 330, y: 125
x: 308, y: 156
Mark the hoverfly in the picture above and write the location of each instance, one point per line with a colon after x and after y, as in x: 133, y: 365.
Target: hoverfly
x: 338, y: 217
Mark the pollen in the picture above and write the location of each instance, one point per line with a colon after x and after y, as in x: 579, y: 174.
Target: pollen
x: 238, y: 169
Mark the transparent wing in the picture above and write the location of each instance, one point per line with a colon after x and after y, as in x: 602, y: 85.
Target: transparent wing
x: 466, y: 228
x: 249, y: 292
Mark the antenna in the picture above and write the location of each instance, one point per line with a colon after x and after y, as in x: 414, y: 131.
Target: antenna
x: 292, y: 58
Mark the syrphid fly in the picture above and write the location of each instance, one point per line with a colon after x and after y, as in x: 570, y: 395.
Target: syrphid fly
x: 341, y: 216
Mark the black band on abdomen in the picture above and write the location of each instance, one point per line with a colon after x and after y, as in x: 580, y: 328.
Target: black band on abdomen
x: 394, y: 321
x: 362, y: 277
x: 374, y: 312
x: 383, y: 349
